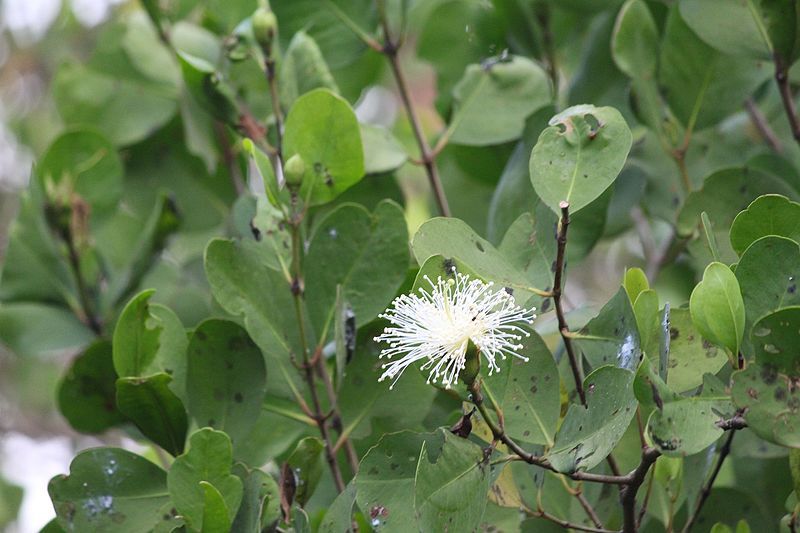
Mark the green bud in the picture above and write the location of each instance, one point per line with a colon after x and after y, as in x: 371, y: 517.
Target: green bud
x: 293, y: 171
x: 265, y: 28
x: 473, y: 364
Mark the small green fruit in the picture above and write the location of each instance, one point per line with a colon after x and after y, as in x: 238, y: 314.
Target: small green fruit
x: 265, y: 28
x: 293, y: 170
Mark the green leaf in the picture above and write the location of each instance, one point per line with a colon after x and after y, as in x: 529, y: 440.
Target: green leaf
x: 208, y: 459
x: 153, y: 407
x: 493, y: 100
x: 364, y: 253
x: 579, y: 156
x: 724, y: 194
x: 307, y: 462
x: 339, y: 45
x: 775, y: 340
x: 634, y: 44
x: 648, y: 323
x: 37, y: 329
x: 635, y: 282
x: 451, y: 484
x: 225, y: 378
x: 260, y: 505
x: 754, y: 29
x: 612, y: 337
x: 690, y: 356
x: 10, y: 502
x: 302, y: 69
x: 768, y: 273
x: 87, y: 392
x: 322, y: 128
x: 453, y: 238
x: 339, y: 515
x: 700, y: 85
x: 382, y: 151
x: 245, y: 286
x: 422, y: 482
x: 686, y: 426
x: 588, y: 434
x: 771, y: 214
x: 771, y: 403
x: 385, y: 483
x: 83, y: 162
x: 717, y: 308
x: 109, y: 489
x: 529, y: 245
x: 149, y: 338
x: 215, y: 513
x: 529, y: 393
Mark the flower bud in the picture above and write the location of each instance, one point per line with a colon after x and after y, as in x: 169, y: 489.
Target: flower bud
x: 265, y: 28
x: 472, y: 366
x: 293, y: 171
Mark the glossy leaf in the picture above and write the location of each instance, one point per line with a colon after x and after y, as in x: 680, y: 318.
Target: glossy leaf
x: 612, y: 337
x: 226, y: 378
x: 110, y: 489
x: 579, y: 156
x: 717, y: 308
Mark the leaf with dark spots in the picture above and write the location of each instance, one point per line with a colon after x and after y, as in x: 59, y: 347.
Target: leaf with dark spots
x: 771, y: 402
x: 612, y: 337
x: 588, y: 435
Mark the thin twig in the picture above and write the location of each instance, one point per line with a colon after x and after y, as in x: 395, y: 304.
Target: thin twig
x: 782, y: 79
x: 563, y: 328
x: 541, y: 513
x: 706, y: 490
x: 590, y: 512
x: 390, y: 50
x: 628, y: 493
x: 320, y: 419
x: 543, y: 18
x: 229, y: 157
x: 87, y: 309
x: 762, y: 125
x: 336, y: 419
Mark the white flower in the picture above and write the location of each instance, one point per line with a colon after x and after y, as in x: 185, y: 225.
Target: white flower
x: 436, y: 327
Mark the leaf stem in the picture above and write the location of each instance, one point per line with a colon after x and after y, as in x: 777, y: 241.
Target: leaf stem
x: 762, y: 125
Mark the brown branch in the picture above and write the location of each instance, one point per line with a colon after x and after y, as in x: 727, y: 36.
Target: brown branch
x: 782, y: 79
x: 390, y: 50
x: 269, y: 69
x: 587, y: 507
x: 522, y: 455
x: 627, y: 495
x: 762, y: 125
x: 336, y: 417
x: 563, y: 327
